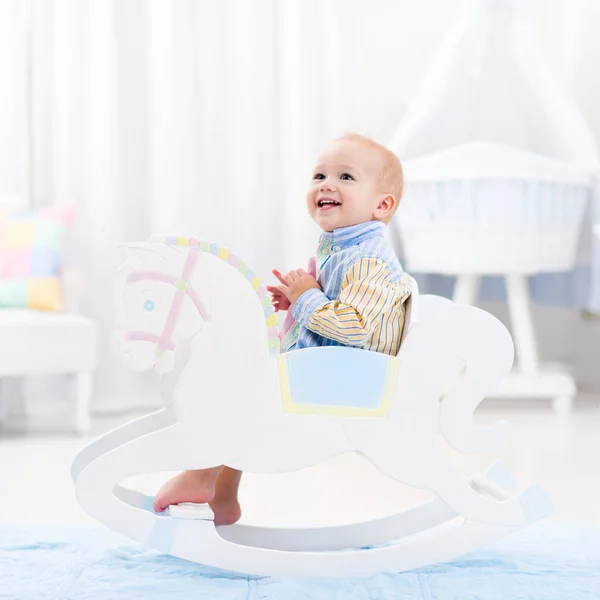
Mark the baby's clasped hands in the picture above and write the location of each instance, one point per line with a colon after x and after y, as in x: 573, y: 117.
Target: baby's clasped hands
x: 293, y: 285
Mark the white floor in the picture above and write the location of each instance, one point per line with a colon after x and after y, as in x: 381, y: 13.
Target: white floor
x: 561, y: 453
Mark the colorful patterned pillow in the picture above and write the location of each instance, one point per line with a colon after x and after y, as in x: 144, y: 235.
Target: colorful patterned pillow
x: 31, y: 249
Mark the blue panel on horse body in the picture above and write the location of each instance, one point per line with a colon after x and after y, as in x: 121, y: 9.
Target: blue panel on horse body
x: 337, y: 376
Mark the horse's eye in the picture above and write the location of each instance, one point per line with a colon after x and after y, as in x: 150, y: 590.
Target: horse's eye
x: 149, y: 305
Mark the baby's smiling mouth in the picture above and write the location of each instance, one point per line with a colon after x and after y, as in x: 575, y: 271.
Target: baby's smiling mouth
x: 327, y: 203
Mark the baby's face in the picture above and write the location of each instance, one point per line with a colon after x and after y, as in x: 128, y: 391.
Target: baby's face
x: 345, y: 185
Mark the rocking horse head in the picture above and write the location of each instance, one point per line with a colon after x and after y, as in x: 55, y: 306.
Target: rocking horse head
x: 171, y: 288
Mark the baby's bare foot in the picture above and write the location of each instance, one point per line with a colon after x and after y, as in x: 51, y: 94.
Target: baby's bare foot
x: 227, y: 511
x: 189, y: 486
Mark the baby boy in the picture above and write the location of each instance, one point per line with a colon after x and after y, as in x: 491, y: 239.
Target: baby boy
x: 356, y: 295
x: 353, y: 295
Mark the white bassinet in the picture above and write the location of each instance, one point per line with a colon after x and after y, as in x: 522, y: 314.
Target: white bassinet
x: 489, y: 208
x: 486, y: 208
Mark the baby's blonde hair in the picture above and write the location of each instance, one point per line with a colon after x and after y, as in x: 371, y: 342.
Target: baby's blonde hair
x: 392, y: 178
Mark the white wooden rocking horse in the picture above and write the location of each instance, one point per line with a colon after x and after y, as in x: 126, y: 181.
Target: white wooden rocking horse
x: 198, y: 315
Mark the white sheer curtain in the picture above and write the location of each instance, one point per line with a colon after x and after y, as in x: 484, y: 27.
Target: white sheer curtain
x: 184, y: 117
x: 14, y: 108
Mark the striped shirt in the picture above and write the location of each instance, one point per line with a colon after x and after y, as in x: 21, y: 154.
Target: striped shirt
x: 361, y: 302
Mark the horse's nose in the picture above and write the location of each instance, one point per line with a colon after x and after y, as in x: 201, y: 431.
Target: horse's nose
x: 116, y: 342
x: 117, y: 347
x: 164, y: 362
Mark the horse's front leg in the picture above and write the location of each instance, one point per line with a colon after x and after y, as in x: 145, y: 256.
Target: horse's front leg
x: 169, y: 449
x: 120, y: 436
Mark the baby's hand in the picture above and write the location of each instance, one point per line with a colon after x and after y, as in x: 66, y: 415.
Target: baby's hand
x: 295, y: 283
x: 278, y: 298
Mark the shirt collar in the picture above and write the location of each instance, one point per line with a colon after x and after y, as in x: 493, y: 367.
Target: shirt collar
x: 344, y: 237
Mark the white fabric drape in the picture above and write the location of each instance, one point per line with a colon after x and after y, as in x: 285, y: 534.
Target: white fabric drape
x: 182, y: 117
x: 490, y: 81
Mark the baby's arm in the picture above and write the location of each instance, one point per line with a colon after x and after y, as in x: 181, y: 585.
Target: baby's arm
x: 367, y: 294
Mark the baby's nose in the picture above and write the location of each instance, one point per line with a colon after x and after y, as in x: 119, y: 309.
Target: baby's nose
x: 327, y: 185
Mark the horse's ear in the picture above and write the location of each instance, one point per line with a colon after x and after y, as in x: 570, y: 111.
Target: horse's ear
x: 158, y: 256
x: 146, y: 252
x: 134, y: 256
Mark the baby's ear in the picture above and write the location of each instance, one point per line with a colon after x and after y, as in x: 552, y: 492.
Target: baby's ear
x: 386, y: 206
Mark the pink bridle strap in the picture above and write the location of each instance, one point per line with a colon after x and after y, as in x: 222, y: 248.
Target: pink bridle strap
x: 178, y: 283
x: 144, y: 336
x: 183, y: 289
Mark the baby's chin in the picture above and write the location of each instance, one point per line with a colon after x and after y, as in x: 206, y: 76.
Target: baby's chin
x: 330, y: 222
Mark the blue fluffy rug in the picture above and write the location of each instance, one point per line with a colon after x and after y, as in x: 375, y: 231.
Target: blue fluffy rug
x: 543, y: 562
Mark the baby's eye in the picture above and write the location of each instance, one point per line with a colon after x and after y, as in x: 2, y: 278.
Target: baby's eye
x: 346, y: 177
x: 319, y: 176
x: 149, y: 305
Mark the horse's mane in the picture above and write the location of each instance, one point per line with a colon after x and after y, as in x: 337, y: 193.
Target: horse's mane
x: 232, y: 259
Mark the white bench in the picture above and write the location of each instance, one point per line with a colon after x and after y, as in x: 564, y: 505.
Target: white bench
x: 35, y: 342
